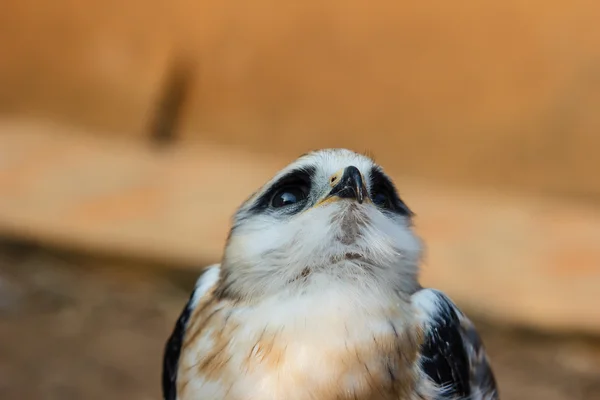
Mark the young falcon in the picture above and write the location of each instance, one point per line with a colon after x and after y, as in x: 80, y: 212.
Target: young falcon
x: 317, y: 297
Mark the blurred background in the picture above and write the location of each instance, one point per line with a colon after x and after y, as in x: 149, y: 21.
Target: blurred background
x: 130, y: 132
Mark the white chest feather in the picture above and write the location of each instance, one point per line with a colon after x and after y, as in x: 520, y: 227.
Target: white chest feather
x: 326, y: 345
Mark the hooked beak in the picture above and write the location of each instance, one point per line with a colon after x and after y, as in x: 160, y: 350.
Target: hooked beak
x: 349, y: 186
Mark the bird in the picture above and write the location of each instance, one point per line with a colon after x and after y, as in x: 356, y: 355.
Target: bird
x: 317, y: 296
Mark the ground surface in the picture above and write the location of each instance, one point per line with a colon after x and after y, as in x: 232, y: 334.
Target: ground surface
x: 76, y: 328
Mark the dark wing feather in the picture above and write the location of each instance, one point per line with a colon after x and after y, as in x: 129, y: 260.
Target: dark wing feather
x: 172, y: 352
x: 480, y: 371
x: 452, y: 354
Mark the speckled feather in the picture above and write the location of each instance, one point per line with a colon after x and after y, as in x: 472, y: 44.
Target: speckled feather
x: 323, y: 303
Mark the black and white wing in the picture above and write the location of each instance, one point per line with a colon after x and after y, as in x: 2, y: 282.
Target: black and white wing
x: 452, y: 355
x: 173, y: 346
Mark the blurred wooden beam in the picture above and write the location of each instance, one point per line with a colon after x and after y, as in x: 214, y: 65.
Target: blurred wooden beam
x: 521, y: 260
x: 175, y: 92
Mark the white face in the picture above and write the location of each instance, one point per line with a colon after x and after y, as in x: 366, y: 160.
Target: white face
x: 332, y: 216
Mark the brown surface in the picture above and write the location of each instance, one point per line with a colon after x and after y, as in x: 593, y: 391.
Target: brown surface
x: 500, y: 93
x: 523, y: 260
x: 73, y: 328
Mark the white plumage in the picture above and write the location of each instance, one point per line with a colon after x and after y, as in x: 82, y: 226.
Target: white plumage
x: 317, y: 297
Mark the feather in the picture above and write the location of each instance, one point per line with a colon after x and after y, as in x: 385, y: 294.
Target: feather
x: 173, y: 346
x: 452, y: 354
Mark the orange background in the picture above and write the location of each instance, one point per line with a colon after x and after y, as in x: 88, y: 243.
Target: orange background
x: 490, y: 93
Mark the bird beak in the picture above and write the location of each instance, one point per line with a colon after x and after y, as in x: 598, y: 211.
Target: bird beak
x: 348, y: 184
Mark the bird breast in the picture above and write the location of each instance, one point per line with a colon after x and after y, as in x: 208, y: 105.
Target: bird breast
x: 324, y: 346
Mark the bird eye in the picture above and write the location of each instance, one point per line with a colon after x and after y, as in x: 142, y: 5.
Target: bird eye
x: 382, y: 200
x: 288, y: 195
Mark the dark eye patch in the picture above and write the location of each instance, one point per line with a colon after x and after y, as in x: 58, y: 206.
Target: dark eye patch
x: 384, y: 195
x: 296, y: 180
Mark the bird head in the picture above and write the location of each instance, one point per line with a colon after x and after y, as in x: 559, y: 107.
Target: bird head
x: 332, y: 217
